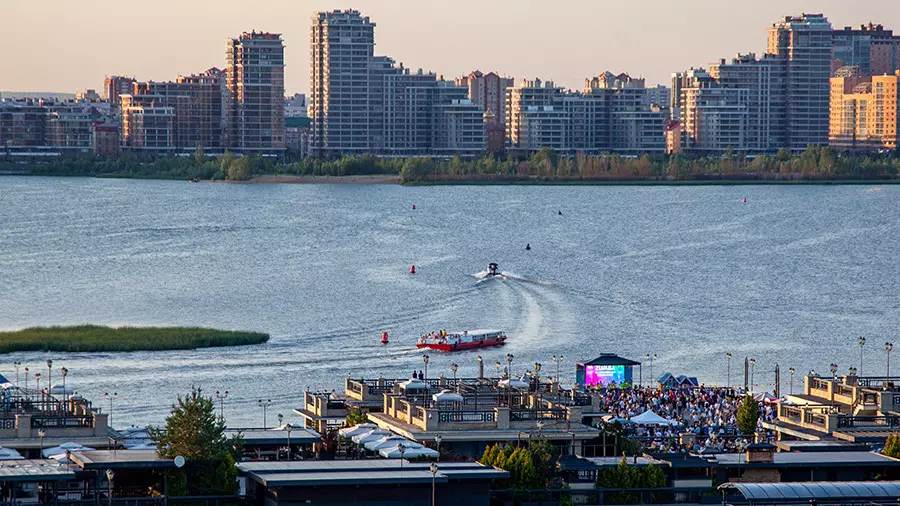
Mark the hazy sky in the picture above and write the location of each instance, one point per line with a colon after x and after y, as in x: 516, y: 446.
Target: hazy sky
x: 66, y: 46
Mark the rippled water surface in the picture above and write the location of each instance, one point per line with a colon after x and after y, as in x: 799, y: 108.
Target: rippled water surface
x: 792, y: 276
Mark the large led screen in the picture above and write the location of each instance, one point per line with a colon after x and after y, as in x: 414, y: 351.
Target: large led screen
x: 596, y: 375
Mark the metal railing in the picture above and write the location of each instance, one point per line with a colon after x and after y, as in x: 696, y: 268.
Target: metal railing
x: 519, y: 415
x: 815, y: 418
x: 466, y: 416
x: 791, y: 413
x: 818, y: 384
x: 856, y: 422
x: 62, y: 421
x: 842, y: 389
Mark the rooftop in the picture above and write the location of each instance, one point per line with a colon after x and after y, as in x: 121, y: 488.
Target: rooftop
x: 610, y: 359
x: 120, y: 459
x: 34, y: 471
x: 819, y: 459
x: 298, y: 435
x: 376, y: 471
x: 813, y: 492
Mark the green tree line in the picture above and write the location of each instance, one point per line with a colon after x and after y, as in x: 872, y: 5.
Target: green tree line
x: 816, y: 163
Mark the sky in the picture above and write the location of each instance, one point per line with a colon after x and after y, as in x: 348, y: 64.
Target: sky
x: 66, y: 46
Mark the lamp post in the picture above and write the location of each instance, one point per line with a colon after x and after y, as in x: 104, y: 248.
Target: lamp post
x: 752, y: 374
x: 557, y: 360
x: 887, y: 348
x: 537, y: 376
x: 41, y: 435
x: 289, y: 428
x: 426, y: 358
x: 834, y: 369
x: 741, y: 446
x: 509, y: 359
x: 37, y: 380
x: 110, y: 398
x: 26, y: 380
x: 498, y: 370
x: 17, y: 364
x: 792, y: 372
x: 109, y: 480
x: 402, y: 449
x: 49, y: 375
x: 862, y: 342
x: 651, y: 358
x: 65, y: 372
x: 264, y: 404
x: 437, y: 441
x: 454, y: 367
x: 280, y: 420
x: 728, y: 357
x: 221, y: 396
x: 434, y: 470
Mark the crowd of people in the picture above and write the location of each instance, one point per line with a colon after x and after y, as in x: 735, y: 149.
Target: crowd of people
x: 710, y: 413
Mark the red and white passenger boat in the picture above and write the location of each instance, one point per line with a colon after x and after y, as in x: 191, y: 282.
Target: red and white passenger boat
x: 457, y: 341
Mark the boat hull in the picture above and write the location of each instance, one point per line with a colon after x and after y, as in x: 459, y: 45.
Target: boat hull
x: 485, y: 343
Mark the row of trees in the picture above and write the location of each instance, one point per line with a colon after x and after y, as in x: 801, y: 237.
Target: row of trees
x: 626, y: 477
x: 816, y: 163
x: 530, y: 467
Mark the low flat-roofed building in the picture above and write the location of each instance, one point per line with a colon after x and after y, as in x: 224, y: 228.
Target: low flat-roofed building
x: 276, y: 444
x: 870, y: 493
x: 372, y: 482
x: 807, y: 466
x: 38, y: 480
x: 322, y: 411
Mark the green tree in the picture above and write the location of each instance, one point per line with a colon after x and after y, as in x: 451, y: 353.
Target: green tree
x: 239, y: 170
x: 198, y: 156
x: 193, y: 432
x: 892, y: 446
x: 748, y: 416
x: 355, y: 417
x: 225, y: 163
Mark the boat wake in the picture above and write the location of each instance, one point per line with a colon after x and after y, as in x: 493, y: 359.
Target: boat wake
x: 484, y: 276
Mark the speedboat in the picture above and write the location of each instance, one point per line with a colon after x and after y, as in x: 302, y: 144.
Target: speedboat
x: 458, y: 341
x: 494, y: 270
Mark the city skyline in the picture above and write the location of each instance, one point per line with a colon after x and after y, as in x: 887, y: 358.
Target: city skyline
x: 459, y: 41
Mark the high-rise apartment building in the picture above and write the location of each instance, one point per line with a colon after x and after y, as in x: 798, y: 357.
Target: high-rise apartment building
x: 198, y: 102
x: 148, y: 123
x: 254, y: 72
x: 613, y: 113
x: 805, y: 43
x: 114, y: 87
x: 871, y: 48
x: 864, y: 112
x: 362, y: 103
x: 488, y: 91
x: 342, y: 46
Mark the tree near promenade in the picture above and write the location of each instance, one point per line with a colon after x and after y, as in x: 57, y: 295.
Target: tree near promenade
x: 192, y: 431
x: 748, y: 416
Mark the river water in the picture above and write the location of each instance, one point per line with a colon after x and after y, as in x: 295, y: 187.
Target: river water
x: 689, y: 273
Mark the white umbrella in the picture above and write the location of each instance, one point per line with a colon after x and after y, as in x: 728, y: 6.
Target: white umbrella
x: 359, y: 429
x: 393, y: 452
x: 59, y: 389
x: 519, y: 384
x: 371, y: 435
x: 650, y: 418
x: 414, y: 384
x: 387, y: 442
x: 141, y: 446
x: 447, y: 396
x: 61, y: 449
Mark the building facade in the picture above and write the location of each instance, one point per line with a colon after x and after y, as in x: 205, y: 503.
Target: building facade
x: 864, y: 112
x: 362, y: 103
x: 805, y: 43
x: 254, y: 83
x: 148, y: 124
x: 870, y: 47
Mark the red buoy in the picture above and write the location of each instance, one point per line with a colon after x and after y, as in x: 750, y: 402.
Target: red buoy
x: 384, y: 338
x: 414, y: 207
x: 412, y: 270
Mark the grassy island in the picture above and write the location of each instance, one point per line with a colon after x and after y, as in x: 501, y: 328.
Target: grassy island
x: 93, y: 338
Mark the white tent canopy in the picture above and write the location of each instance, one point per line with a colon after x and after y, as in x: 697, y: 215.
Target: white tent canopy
x: 414, y: 384
x: 61, y: 449
x: 447, y: 396
x: 516, y: 383
x: 59, y: 389
x: 358, y: 429
x: 393, y: 452
x: 371, y: 435
x: 650, y: 418
x: 389, y: 441
x: 141, y: 446
x: 764, y: 397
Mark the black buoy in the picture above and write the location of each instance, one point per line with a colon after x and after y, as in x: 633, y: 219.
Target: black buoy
x: 528, y: 247
x: 560, y: 212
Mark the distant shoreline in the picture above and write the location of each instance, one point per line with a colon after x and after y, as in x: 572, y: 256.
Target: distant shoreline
x: 291, y: 179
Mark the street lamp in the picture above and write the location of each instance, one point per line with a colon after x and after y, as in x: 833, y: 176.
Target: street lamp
x: 434, y: 470
x: 728, y: 357
x: 792, y: 371
x: 437, y: 440
x: 509, y: 359
x: 109, y: 479
x: 402, y: 448
x: 454, y: 367
x: 426, y: 358
x: 264, y: 404
x: 887, y: 348
x: 752, y: 374
x: 289, y: 428
x: 280, y: 420
x: 651, y: 358
x: 221, y: 397
x: 834, y: 369
x: 41, y: 435
x: 26, y: 378
x: 110, y: 398
x: 862, y: 342
x: 49, y: 374
x: 741, y: 446
x: 557, y: 360
x: 37, y: 380
x: 17, y: 364
x: 498, y: 370
x: 65, y: 372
